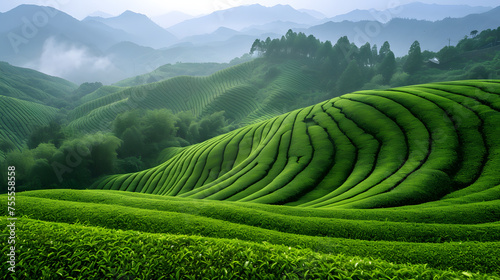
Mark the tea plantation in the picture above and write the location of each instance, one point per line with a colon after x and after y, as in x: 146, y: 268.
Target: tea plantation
x: 384, y: 184
x: 435, y: 143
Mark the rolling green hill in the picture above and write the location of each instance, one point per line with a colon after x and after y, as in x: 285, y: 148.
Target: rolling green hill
x: 30, y: 85
x: 18, y: 118
x: 173, y: 70
x: 28, y: 100
x: 368, y: 149
x: 248, y: 92
x: 425, y: 158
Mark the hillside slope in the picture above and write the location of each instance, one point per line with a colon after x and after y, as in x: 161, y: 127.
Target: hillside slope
x: 18, y: 119
x: 28, y: 100
x: 31, y: 85
x: 367, y: 149
x: 248, y: 92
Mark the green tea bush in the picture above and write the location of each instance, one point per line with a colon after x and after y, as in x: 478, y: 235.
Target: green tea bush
x: 63, y: 251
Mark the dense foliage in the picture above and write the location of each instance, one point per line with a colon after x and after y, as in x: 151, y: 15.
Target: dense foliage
x: 366, y: 149
x: 293, y: 71
x: 107, y: 234
x: 474, y: 57
x: 430, y: 149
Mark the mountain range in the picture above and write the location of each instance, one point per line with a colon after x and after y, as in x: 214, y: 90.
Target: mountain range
x: 241, y: 17
x: 109, y: 49
x: 401, y: 33
x: 144, y: 30
x: 415, y: 10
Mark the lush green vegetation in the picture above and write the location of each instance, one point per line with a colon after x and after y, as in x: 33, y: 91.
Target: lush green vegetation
x: 369, y: 149
x: 179, y: 69
x: 247, y: 92
x: 352, y: 67
x: 292, y: 72
x: 30, y: 85
x: 361, y: 150
x: 118, y: 234
x: 19, y: 118
x: 233, y: 176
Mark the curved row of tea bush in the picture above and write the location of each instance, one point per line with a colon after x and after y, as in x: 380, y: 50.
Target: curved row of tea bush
x: 442, y: 246
x: 44, y: 204
x: 63, y: 251
x: 366, y: 149
x: 18, y: 119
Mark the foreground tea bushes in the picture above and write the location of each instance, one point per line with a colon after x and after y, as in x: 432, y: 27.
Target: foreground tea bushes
x: 63, y: 251
x: 441, y: 246
x: 113, y: 211
x: 470, y: 213
x: 367, y: 149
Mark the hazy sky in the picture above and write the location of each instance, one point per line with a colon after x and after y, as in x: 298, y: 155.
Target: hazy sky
x: 82, y: 8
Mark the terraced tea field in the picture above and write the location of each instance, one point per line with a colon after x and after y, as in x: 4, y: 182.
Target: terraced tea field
x: 24, y: 95
x: 240, y: 91
x: 31, y: 85
x: 387, y: 184
x: 404, y: 146
x: 18, y: 118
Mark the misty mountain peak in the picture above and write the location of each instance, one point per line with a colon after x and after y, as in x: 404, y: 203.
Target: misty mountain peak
x: 28, y: 10
x: 241, y: 17
x: 282, y: 6
x: 130, y: 14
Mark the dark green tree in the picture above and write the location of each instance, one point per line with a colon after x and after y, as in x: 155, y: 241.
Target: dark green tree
x: 388, y: 67
x: 447, y: 54
x: 42, y: 175
x: 46, y: 134
x: 211, y: 126
x: 126, y: 120
x: 313, y: 45
x: 466, y: 44
x: 103, y: 153
x: 365, y: 56
x: 158, y: 125
x: 183, y: 122
x: 256, y: 47
x: 414, y: 59
x: 133, y: 143
x: 375, y: 53
x: 478, y: 72
x: 44, y: 151
x: 351, y: 79
x: 384, y: 50
x: 23, y: 161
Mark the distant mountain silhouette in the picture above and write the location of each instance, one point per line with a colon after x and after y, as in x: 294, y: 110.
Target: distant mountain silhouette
x: 100, y: 14
x: 416, y: 10
x: 240, y: 17
x: 144, y: 30
x: 171, y: 18
x: 115, y: 48
x: 314, y: 13
x: 401, y: 33
x: 25, y: 29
